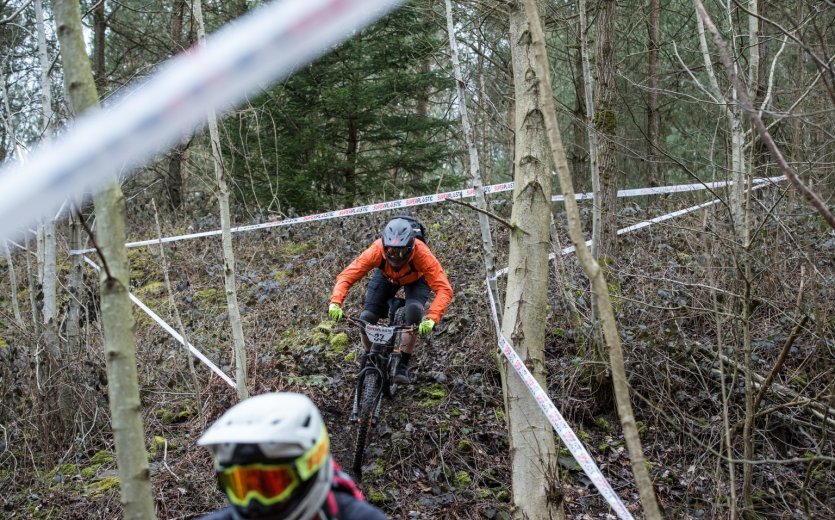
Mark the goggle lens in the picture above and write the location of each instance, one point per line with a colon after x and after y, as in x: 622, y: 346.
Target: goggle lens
x: 267, y: 483
x: 397, y: 253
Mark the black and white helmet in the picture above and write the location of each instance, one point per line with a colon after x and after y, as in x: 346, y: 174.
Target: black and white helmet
x: 272, y: 456
x: 398, y: 242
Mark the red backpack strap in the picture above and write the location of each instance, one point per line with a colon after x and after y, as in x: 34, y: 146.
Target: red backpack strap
x: 342, y: 482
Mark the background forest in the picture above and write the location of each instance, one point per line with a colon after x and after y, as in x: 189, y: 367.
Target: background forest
x: 725, y: 314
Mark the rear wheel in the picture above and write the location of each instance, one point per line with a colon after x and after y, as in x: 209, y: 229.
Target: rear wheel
x: 368, y: 403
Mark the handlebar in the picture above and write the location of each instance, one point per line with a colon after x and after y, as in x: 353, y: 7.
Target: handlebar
x: 361, y: 323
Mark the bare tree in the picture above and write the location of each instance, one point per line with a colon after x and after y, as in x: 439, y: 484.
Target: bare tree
x: 226, y: 225
x: 117, y: 315
x: 469, y: 140
x: 539, y: 61
x: 532, y: 449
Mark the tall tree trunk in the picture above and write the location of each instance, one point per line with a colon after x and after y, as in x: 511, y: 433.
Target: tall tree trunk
x: 49, y: 283
x: 176, y: 181
x: 13, y: 283
x: 747, y: 299
x: 116, y: 312
x: 594, y: 149
x: 653, y: 115
x: 606, y: 123
x: 534, y: 467
x: 590, y: 266
x: 99, y: 29
x: 581, y: 125
x: 226, y: 225
x: 7, y: 125
x: 475, y: 170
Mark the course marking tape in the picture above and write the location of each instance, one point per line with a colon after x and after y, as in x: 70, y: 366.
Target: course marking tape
x: 245, y: 56
x: 569, y: 438
x: 347, y: 212
x: 199, y: 355
x: 411, y: 202
x: 759, y: 184
x: 658, y: 190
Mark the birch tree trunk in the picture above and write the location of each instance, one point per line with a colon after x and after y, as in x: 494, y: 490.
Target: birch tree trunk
x: 6, y: 253
x: 607, y: 316
x: 588, y: 92
x: 116, y: 312
x: 475, y: 170
x: 226, y: 225
x: 49, y: 283
x: 536, y: 488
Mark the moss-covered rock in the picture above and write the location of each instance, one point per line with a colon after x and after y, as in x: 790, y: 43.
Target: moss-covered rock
x: 102, y: 487
x: 603, y: 424
x: 339, y: 342
x: 464, y: 446
x: 151, y: 290
x: 60, y: 471
x: 431, y: 395
x: 165, y: 415
x: 206, y: 295
x: 295, y: 248
x: 463, y: 479
x: 377, y: 497
x: 379, y: 468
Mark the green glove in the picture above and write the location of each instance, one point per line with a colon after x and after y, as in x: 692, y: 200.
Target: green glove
x: 426, y: 326
x: 335, y: 312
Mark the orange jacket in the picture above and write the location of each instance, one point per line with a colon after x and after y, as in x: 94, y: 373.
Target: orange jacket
x: 424, y: 262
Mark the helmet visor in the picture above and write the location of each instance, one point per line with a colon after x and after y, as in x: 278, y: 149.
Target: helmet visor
x: 397, y: 255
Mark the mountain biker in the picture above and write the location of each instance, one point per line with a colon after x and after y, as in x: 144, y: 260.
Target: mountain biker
x: 272, y: 459
x: 398, y: 259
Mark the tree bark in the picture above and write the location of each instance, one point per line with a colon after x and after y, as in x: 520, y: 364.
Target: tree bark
x: 653, y: 114
x: 590, y: 266
x: 606, y: 124
x: 226, y: 224
x: 116, y: 312
x: 536, y: 489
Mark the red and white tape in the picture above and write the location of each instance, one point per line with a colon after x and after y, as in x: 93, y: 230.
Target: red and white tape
x: 168, y: 328
x: 416, y: 201
x: 347, y: 212
x: 758, y: 184
x: 569, y: 438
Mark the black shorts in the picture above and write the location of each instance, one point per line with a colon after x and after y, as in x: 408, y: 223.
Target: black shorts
x: 381, y: 290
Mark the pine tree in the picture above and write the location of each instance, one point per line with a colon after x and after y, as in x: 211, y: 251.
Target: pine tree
x: 347, y: 126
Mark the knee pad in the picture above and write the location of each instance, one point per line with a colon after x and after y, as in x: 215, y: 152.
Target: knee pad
x: 414, y: 313
x: 369, y: 316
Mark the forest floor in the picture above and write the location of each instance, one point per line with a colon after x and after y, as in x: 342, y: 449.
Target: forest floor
x: 441, y: 448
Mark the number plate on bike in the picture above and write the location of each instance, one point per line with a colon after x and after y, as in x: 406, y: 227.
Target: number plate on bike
x: 379, y: 333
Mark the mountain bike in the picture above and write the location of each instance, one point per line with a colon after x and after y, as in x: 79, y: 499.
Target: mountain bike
x: 375, y: 380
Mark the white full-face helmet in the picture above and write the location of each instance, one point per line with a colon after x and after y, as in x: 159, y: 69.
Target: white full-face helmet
x: 272, y: 456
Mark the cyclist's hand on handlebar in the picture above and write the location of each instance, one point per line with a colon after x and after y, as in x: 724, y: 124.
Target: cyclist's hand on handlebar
x: 426, y: 326
x: 335, y: 312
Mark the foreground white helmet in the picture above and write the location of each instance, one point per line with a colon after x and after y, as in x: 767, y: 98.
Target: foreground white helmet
x: 272, y: 456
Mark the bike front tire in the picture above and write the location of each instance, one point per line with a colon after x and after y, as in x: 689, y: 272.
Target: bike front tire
x: 370, y: 392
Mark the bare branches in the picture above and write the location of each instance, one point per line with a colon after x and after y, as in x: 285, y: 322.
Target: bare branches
x: 751, y: 111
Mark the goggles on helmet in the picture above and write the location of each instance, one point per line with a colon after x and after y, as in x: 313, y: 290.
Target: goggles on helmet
x: 270, y: 484
x: 397, y: 254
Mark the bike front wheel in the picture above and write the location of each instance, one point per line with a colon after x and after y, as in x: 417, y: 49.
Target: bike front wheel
x: 368, y: 393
